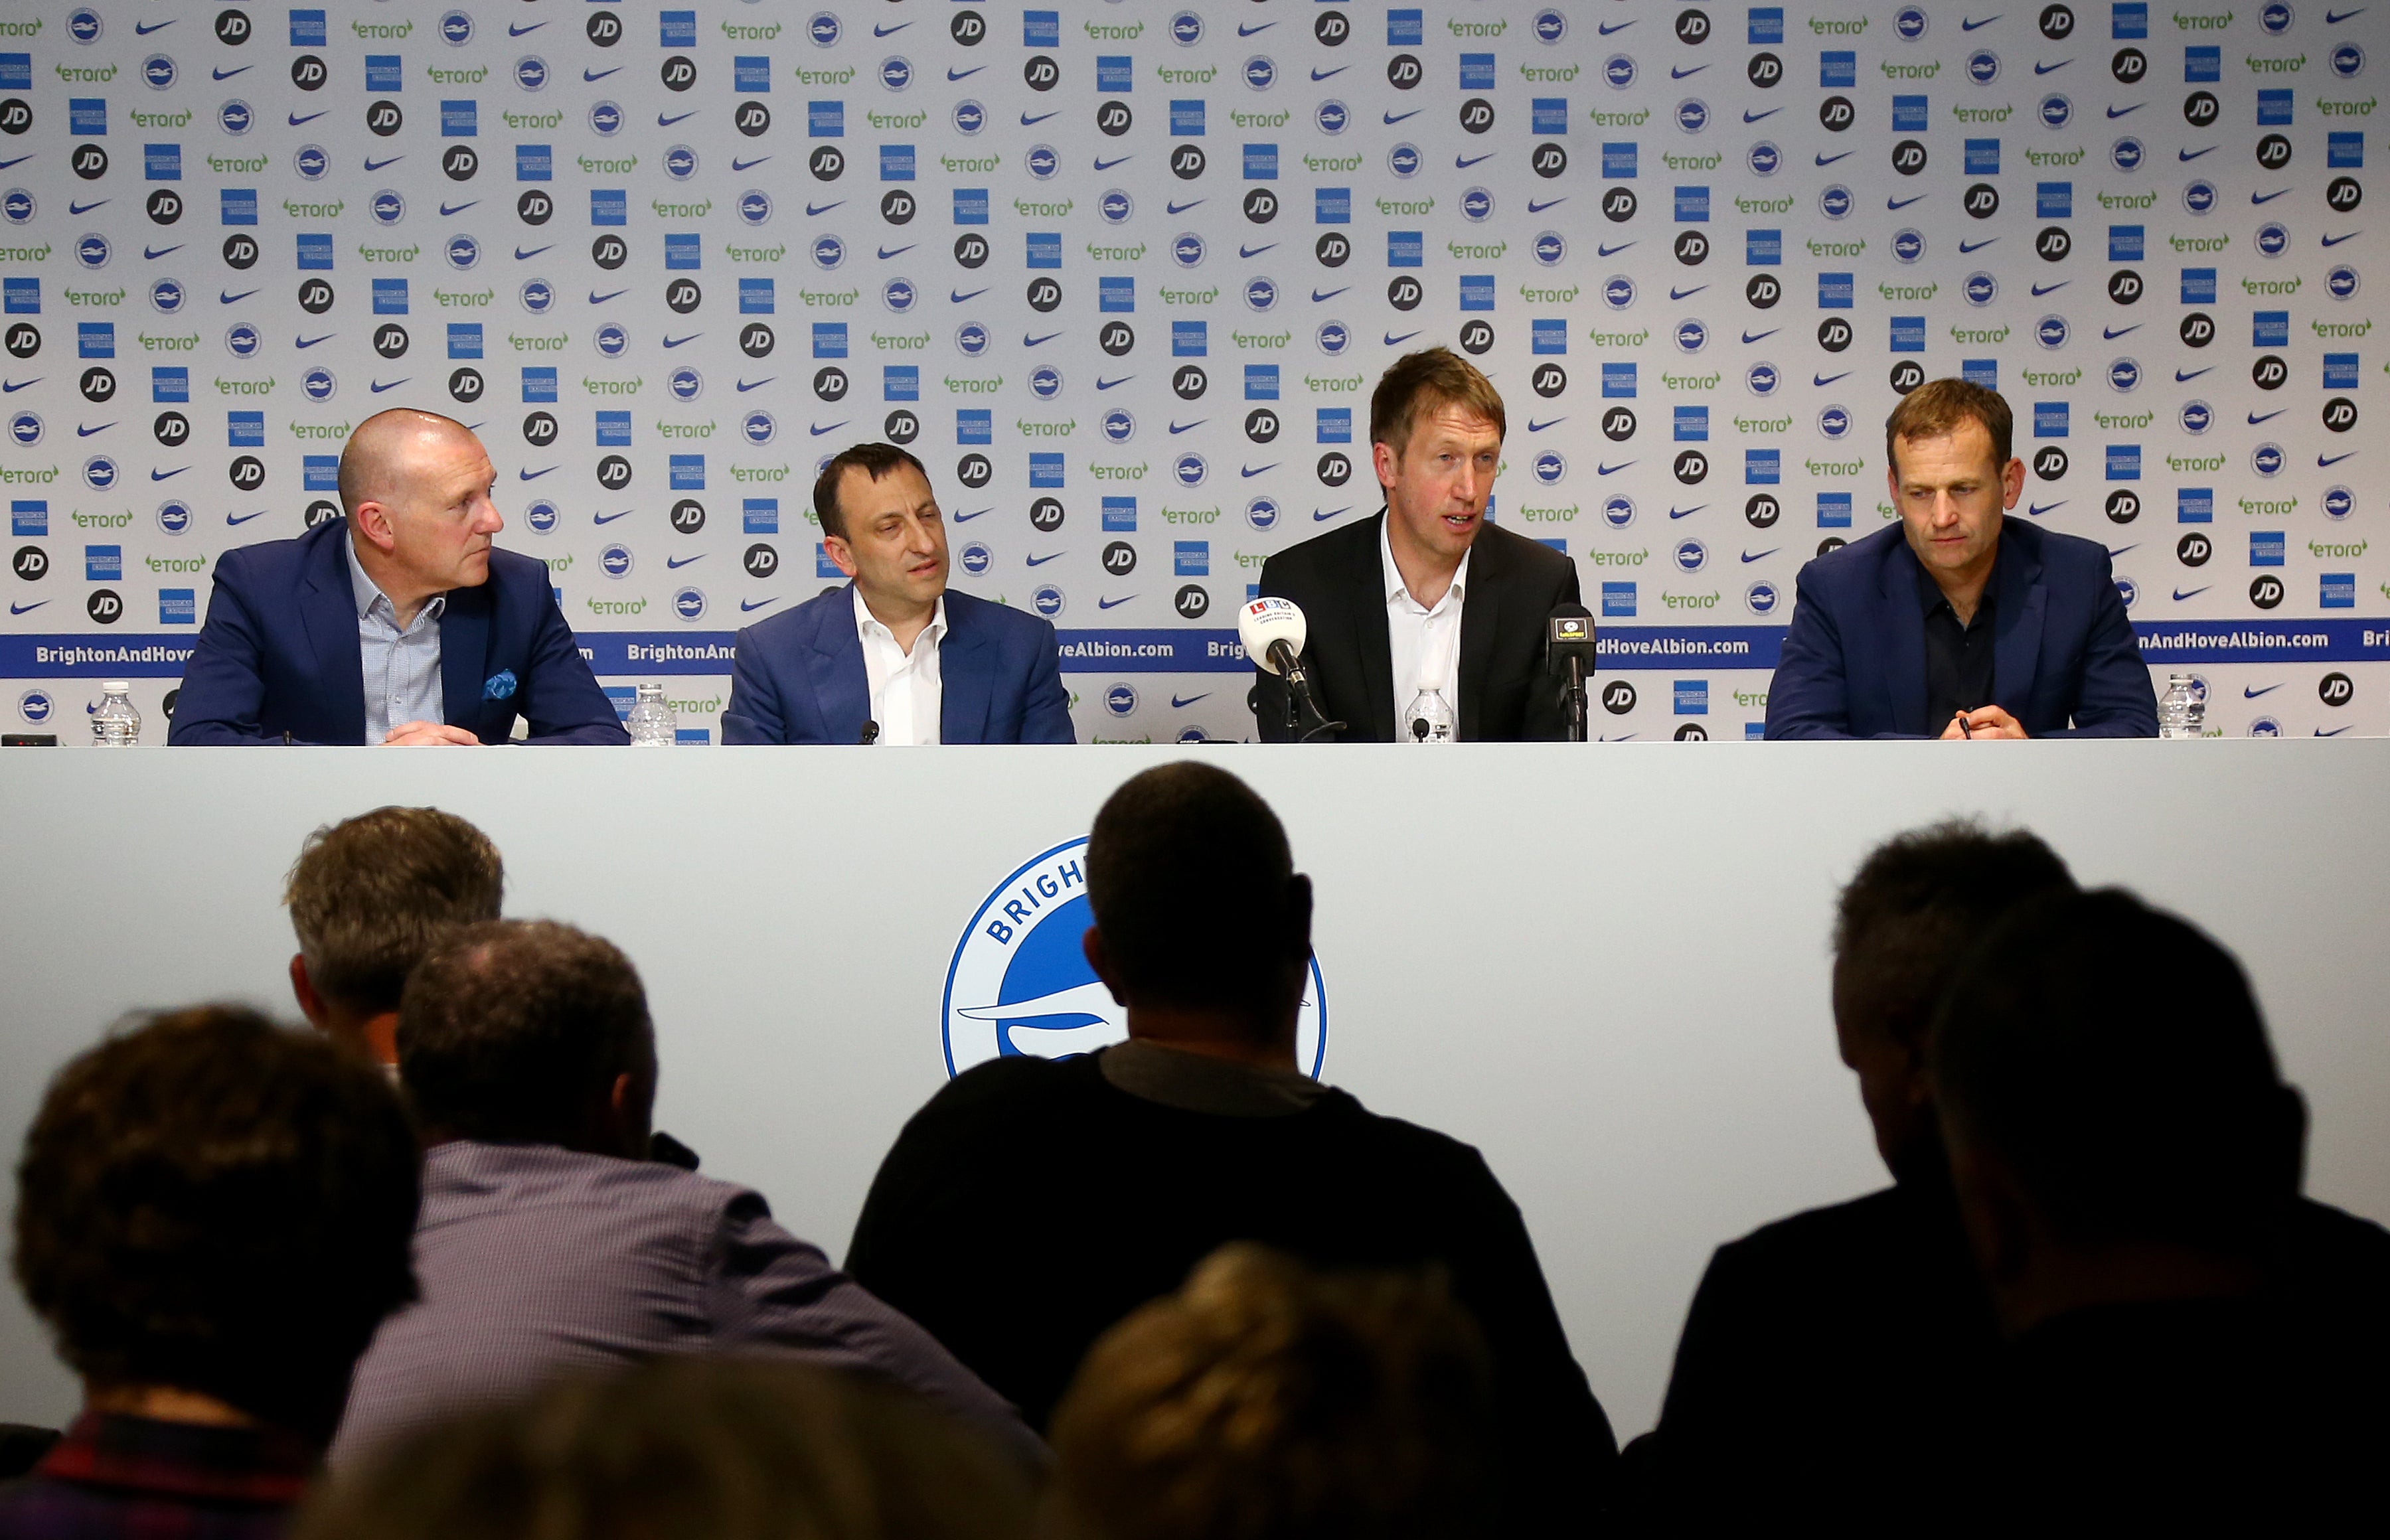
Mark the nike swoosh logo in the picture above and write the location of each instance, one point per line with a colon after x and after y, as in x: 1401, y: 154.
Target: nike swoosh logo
x: 1601, y: 470
x: 676, y: 562
x: 593, y: 76
x: 607, y: 517
x: 143, y: 28
x: 521, y: 256
x: 1250, y: 251
x: 2194, y: 154
x: 311, y: 342
x: 1969, y: 25
x: 1761, y: 336
x: 535, y: 475
x: 378, y: 387
x: 450, y: 211
x: 1611, y: 250
x: 750, y: 606
x: 1967, y: 246
x: 1895, y: 204
x: 1462, y: 163
x: 82, y: 432
x: 818, y: 429
x: 1251, y: 28
x: 1830, y: 160
x: 372, y: 164
x: 161, y: 474
x: 1675, y: 512
x: 1318, y: 75
x: 1537, y: 206
x: 816, y: 211
x: 1535, y: 427
x: 1102, y: 164
x: 2109, y: 334
x: 1028, y: 341
x: 2266, y: 198
x: 1675, y: 73
x: 2045, y: 69
x: 1252, y: 471
x: 2248, y: 694
x: 1177, y: 703
x: 2255, y: 419
x: 2331, y: 19
x: 515, y: 28
x: 2182, y: 379
x: 238, y: 518
x: 1760, y: 555
x: 2041, y: 288
x: 597, y: 298
x: 1184, y: 426
x: 1106, y: 604
x: 1320, y: 518
x: 16, y: 608
x: 1182, y: 208
x: 1318, y: 297
x: 967, y: 518
x: 1103, y: 384
x: 1394, y: 118
x: 296, y: 120
x: 964, y: 74
x: 663, y: 122
x: 2121, y: 111
x: 737, y: 164
x: 2181, y: 594
x: 1042, y: 560
x: 1394, y: 341
x: 2036, y: 511
x: 1028, y: 121
x: 17, y: 161
x: 1686, y: 293
x: 2335, y: 732
x: 883, y: 30
x: 745, y: 386
x: 1824, y: 379
x: 74, y: 208
x: 2334, y: 240
x: 888, y: 252
x: 676, y: 342
x: 227, y: 74
x: 10, y: 387
x: 2324, y: 462
x: 1750, y: 117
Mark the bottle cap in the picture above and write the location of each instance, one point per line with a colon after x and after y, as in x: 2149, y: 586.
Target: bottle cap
x: 115, y: 687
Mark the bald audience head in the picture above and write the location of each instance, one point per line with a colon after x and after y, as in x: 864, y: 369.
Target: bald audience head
x: 418, y: 488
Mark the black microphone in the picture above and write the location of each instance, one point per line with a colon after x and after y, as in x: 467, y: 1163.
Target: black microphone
x: 870, y: 732
x: 1420, y: 729
x: 1569, y: 652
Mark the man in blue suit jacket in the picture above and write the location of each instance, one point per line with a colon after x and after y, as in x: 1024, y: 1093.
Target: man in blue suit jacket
x: 400, y: 624
x: 893, y: 657
x: 1961, y: 622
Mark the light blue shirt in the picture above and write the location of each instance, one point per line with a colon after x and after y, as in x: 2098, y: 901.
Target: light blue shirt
x: 402, y: 666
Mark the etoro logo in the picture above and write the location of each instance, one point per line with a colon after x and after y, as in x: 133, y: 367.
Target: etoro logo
x: 1020, y: 983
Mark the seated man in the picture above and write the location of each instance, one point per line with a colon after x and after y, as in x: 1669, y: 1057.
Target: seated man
x: 550, y: 1242
x: 1198, y: 1131
x: 400, y: 624
x: 1961, y: 623
x: 213, y: 1216
x: 1427, y: 600
x: 369, y: 896
x: 2126, y: 1161
x: 893, y: 657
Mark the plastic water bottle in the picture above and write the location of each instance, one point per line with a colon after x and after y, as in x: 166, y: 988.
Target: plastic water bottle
x: 2184, y: 711
x: 651, y: 722
x: 1428, y: 719
x: 116, y: 724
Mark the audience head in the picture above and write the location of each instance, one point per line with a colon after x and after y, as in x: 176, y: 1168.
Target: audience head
x: 369, y: 896
x: 532, y: 1032
x: 2105, y: 1123
x: 210, y: 1205
x: 687, y: 1448
x: 1906, y: 922
x: 1262, y: 1401
x: 1200, y: 917
x: 418, y: 490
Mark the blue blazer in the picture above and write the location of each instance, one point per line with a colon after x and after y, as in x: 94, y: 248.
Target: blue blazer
x: 799, y: 677
x: 2064, y: 661
x: 279, y: 654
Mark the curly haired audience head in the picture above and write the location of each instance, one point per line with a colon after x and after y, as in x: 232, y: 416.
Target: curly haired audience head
x: 1265, y: 1402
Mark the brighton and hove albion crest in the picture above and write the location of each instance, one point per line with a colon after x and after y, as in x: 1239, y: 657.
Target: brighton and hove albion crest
x: 1020, y: 984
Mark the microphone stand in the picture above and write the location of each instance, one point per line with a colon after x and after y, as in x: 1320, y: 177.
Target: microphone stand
x: 1576, y: 724
x: 1291, y: 671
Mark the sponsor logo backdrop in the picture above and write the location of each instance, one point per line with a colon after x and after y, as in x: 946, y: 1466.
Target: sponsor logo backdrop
x: 1123, y: 274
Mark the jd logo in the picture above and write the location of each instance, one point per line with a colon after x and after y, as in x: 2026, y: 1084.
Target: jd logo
x: 1020, y: 983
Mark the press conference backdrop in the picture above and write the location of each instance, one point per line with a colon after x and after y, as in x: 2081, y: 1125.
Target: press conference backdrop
x: 1124, y: 274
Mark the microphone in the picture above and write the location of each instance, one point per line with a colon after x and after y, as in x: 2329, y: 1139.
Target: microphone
x: 870, y: 732
x: 1569, y: 652
x: 1420, y: 729
x: 1274, y: 631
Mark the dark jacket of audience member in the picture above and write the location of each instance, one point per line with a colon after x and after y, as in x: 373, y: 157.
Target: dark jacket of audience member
x: 1033, y: 1204
x: 549, y: 1243
x: 212, y: 1214
x: 1265, y: 1402
x: 2126, y: 1161
x: 687, y: 1448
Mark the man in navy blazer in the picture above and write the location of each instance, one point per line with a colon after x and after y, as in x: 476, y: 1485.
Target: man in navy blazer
x: 1961, y: 622
x: 893, y: 657
x: 398, y: 624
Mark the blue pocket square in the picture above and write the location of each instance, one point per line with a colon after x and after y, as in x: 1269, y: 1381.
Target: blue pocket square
x: 499, y: 685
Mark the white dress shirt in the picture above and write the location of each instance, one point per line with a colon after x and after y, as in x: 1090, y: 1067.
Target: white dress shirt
x: 906, y: 695
x: 401, y: 667
x: 1425, y: 640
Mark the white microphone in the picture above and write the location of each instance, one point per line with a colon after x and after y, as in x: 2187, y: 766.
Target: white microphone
x: 1274, y: 631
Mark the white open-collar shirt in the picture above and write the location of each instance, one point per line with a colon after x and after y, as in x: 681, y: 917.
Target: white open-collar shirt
x: 1425, y: 640
x: 905, y: 694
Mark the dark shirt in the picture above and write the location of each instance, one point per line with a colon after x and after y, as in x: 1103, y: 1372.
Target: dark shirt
x: 1032, y: 1203
x: 1957, y: 658
x: 142, y: 1479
